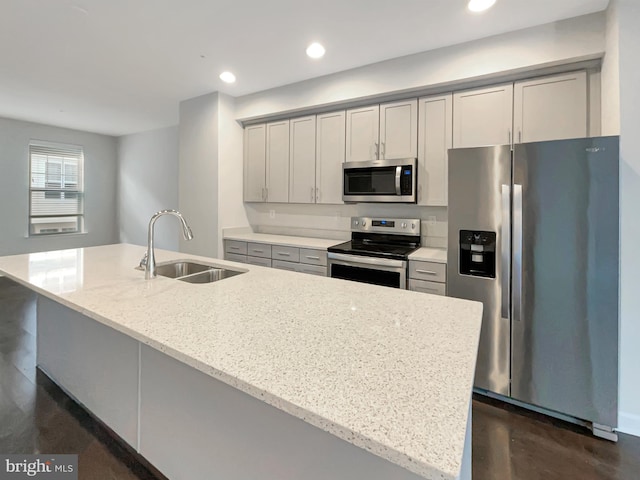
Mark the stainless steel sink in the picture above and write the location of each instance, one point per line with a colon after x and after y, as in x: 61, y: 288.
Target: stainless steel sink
x: 212, y: 275
x: 192, y: 272
x: 180, y: 269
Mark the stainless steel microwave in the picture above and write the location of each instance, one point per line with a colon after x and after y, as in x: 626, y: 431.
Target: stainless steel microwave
x: 389, y: 181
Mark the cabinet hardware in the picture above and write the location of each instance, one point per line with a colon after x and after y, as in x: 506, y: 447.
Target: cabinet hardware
x: 311, y: 195
x: 257, y: 251
x: 317, y: 194
x: 234, y: 248
x: 382, y: 150
x: 284, y: 254
x: 312, y: 258
x: 428, y: 272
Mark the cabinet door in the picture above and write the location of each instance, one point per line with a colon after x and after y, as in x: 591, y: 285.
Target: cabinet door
x: 330, y: 153
x: 254, y: 163
x: 362, y: 134
x: 278, y: 162
x: 302, y: 169
x: 483, y: 117
x: 435, y: 138
x: 399, y: 129
x: 551, y: 108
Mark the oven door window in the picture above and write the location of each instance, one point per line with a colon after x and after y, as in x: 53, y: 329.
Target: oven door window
x: 370, y: 181
x: 366, y: 275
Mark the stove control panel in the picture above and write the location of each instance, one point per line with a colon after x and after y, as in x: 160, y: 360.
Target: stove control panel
x: 397, y: 226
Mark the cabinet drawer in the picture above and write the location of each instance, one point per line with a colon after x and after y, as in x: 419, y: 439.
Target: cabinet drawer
x: 285, y: 265
x: 313, y: 257
x: 234, y: 246
x: 259, y: 250
x: 288, y: 254
x: 427, y: 287
x: 263, y: 262
x: 431, y: 271
x: 312, y: 269
x: 234, y: 257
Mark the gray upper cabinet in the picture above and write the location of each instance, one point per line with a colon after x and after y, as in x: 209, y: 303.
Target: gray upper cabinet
x: 330, y: 155
x: 277, y: 171
x: 435, y: 138
x: 363, y: 128
x: 255, y: 163
x: 399, y: 130
x: 551, y: 108
x: 384, y: 131
x: 483, y: 117
x: 302, y: 169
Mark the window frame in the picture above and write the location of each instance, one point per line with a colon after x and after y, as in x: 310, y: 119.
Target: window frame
x: 62, y: 150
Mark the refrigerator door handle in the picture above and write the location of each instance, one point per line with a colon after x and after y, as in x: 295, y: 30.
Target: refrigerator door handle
x: 505, y: 246
x: 517, y: 252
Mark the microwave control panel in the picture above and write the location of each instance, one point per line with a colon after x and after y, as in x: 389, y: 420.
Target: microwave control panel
x: 406, y: 180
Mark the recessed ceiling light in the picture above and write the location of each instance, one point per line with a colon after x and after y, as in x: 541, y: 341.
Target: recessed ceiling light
x: 480, y: 5
x: 315, y: 50
x: 227, y: 77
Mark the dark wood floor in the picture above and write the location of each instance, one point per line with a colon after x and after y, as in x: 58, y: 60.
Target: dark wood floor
x: 508, y: 443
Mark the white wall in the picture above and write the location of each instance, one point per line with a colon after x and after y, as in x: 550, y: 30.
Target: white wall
x: 147, y: 183
x: 553, y: 44
x: 231, y: 211
x: 610, y: 77
x: 100, y: 177
x: 198, y: 173
x: 628, y: 15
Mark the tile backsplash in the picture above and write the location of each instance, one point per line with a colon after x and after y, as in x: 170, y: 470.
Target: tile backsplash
x: 333, y: 221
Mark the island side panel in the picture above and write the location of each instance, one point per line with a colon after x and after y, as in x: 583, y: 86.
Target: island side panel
x: 194, y: 427
x: 95, y: 364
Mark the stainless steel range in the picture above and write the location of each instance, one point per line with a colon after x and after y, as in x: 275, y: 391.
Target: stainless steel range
x: 378, y: 251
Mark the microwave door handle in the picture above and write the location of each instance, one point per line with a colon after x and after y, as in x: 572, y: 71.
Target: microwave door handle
x: 398, y: 173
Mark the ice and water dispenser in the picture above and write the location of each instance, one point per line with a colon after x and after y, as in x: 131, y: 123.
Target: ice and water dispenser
x: 478, y: 253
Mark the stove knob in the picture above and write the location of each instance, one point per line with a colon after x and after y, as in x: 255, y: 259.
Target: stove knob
x: 364, y: 223
x: 356, y: 223
x: 404, y: 225
x: 413, y: 225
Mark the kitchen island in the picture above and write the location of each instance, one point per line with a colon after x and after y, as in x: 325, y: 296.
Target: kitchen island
x: 268, y: 374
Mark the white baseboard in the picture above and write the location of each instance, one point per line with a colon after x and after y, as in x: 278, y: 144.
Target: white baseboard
x: 629, y: 423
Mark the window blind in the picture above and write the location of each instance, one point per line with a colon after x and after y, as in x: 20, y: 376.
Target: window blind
x: 56, y: 188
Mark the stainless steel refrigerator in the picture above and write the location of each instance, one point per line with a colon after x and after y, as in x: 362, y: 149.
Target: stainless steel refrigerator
x: 534, y: 235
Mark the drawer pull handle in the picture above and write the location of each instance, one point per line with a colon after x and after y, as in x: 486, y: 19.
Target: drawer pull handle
x: 284, y: 254
x: 312, y: 258
x: 257, y: 251
x: 428, y: 272
x: 234, y: 248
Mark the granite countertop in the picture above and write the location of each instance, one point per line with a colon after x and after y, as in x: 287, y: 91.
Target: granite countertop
x: 388, y: 370
x: 285, y: 240
x: 428, y: 254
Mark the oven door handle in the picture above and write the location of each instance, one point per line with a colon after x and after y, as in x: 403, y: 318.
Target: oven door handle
x: 365, y: 262
x: 398, y: 173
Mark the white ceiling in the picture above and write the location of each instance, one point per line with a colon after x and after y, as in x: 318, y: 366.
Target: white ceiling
x: 122, y: 66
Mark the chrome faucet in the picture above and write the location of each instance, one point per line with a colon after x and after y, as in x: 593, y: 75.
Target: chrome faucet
x: 149, y: 259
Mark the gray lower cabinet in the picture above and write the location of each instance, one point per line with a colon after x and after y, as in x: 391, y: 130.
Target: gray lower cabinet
x: 427, y: 277
x: 263, y: 262
x: 295, y: 259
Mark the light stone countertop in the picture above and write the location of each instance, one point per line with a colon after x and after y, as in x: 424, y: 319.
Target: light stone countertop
x: 284, y: 240
x: 388, y: 370
x: 428, y: 254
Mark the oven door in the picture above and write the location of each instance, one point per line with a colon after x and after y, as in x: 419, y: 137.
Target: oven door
x: 377, y: 271
x: 380, y: 181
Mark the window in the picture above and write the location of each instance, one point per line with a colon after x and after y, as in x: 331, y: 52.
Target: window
x: 56, y: 191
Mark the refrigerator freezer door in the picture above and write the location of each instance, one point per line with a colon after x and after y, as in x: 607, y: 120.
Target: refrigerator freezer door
x: 565, y: 277
x: 479, y: 201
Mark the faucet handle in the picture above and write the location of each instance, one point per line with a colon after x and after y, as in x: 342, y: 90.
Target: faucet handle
x: 145, y: 259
